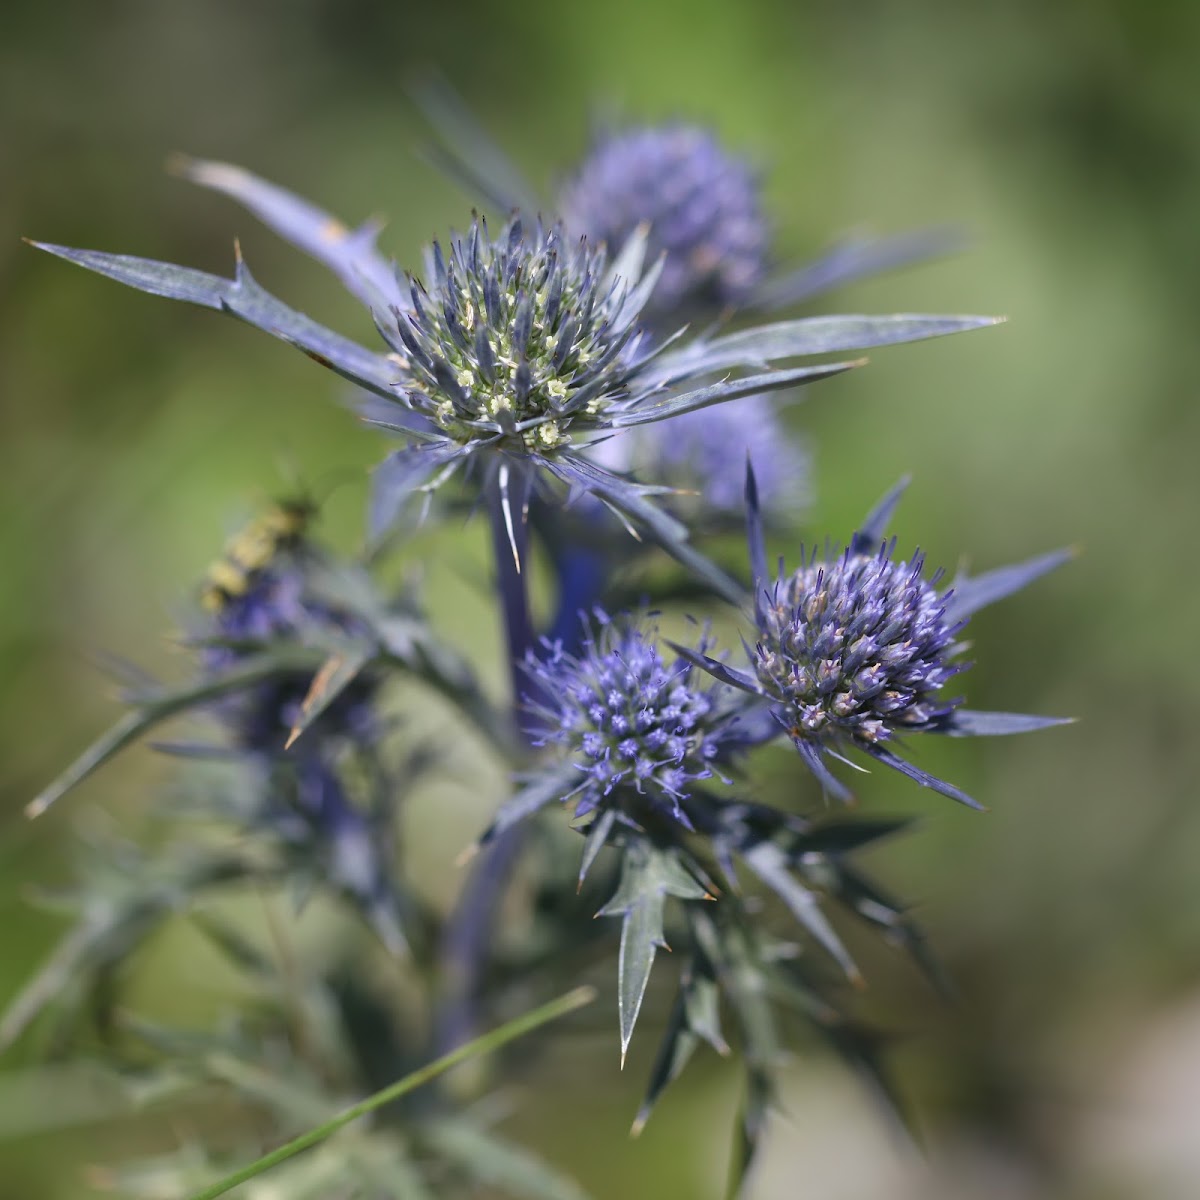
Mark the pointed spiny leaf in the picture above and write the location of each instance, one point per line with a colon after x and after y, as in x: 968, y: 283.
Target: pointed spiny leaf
x: 971, y: 593
x: 649, y: 875
x: 556, y: 785
x: 718, y: 393
x: 869, y: 537
x: 158, y: 707
x: 349, y: 253
x: 854, y: 259
x: 752, y: 1124
x: 967, y: 722
x: 769, y: 863
x: 333, y: 677
x: 495, y: 1162
x: 243, y: 298
x: 470, y: 153
x: 765, y: 344
x: 717, y: 669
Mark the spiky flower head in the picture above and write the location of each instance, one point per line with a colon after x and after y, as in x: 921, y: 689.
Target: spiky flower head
x: 510, y: 339
x: 858, y: 646
x: 701, y: 203
x: 632, y: 723
x: 854, y: 647
x: 260, y: 600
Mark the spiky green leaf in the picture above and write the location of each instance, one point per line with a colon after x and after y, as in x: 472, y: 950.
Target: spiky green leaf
x: 649, y: 874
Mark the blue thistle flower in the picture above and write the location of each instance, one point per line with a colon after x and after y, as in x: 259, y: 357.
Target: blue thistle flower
x: 632, y: 724
x: 854, y: 648
x: 700, y: 202
x: 857, y: 646
x: 260, y: 596
x: 517, y: 342
x: 514, y: 355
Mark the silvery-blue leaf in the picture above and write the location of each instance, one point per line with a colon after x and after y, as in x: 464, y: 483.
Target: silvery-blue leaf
x: 349, y: 253
x: 968, y: 722
x: 245, y: 299
x: 395, y: 479
x: 731, y: 389
x: 924, y: 778
x: 870, y: 536
x: 648, y: 876
x: 971, y: 593
x: 769, y: 863
x: 854, y: 259
x: 470, y: 153
x: 717, y: 669
x: 157, y: 708
x: 556, y: 785
x: 765, y: 344
x: 629, y: 501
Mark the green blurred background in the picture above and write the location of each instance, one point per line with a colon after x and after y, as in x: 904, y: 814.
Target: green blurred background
x: 1065, y: 137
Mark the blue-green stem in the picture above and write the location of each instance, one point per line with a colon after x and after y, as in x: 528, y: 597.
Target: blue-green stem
x: 470, y: 928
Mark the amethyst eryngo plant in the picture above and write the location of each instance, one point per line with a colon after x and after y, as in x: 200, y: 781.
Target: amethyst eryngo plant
x: 539, y: 361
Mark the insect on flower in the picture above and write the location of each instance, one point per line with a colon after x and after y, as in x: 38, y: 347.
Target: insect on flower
x: 253, y: 548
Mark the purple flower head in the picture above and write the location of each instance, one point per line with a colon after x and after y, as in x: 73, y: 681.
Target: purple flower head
x: 700, y: 202
x: 858, y: 646
x: 631, y: 722
x: 261, y: 604
x: 854, y: 648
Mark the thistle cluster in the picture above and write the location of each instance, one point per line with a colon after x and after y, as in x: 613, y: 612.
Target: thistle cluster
x: 550, y: 375
x: 277, y: 608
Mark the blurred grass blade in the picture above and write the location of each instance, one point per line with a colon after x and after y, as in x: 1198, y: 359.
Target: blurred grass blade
x: 481, y: 1045
x: 131, y: 726
x: 495, y: 1163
